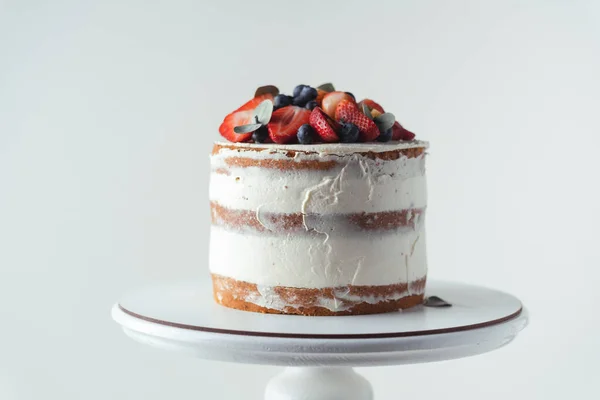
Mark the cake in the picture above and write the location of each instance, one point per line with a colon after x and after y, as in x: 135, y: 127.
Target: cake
x: 315, y: 224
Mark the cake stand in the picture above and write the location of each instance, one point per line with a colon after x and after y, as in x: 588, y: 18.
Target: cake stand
x: 319, y: 352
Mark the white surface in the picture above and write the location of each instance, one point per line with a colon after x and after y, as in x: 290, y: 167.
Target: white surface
x: 182, y: 317
x: 108, y: 111
x: 319, y: 384
x: 177, y: 317
x: 191, y: 304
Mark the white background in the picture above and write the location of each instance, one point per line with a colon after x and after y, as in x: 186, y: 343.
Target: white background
x: 107, y: 114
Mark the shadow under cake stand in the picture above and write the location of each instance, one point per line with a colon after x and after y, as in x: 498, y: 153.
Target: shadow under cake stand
x: 319, y: 352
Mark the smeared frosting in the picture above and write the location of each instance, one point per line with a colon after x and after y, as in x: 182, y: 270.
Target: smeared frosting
x: 325, y: 258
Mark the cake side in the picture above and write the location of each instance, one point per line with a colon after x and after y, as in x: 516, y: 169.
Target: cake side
x: 313, y: 234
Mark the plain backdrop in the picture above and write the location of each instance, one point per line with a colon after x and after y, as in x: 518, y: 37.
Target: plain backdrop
x: 107, y: 115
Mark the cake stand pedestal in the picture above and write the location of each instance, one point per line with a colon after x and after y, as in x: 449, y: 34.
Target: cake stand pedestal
x: 319, y: 352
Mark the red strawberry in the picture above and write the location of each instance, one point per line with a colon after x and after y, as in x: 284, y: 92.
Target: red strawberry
x: 345, y: 109
x: 234, y: 119
x: 252, y: 104
x: 371, y: 104
x: 320, y: 94
x: 349, y: 112
x: 400, y: 133
x: 331, y: 100
x: 325, y: 127
x: 241, y: 116
x: 285, y: 122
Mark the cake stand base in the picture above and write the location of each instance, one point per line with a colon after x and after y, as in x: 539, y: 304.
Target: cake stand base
x: 320, y: 351
x: 319, y: 383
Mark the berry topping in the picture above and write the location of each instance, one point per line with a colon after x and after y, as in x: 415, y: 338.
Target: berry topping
x: 242, y: 116
x: 319, y: 114
x: 400, y: 133
x: 306, y: 94
x: 309, y: 93
x: 306, y: 134
x: 347, y: 111
x: 348, y: 132
x: 285, y: 122
x: 344, y: 109
x: 297, y: 90
x: 322, y: 90
x: 331, y: 100
x: 234, y: 119
x: 261, y: 135
x: 311, y: 104
x: 320, y: 94
x: 385, y: 136
x: 325, y: 127
x: 282, y: 100
x: 252, y: 104
x: 372, y: 106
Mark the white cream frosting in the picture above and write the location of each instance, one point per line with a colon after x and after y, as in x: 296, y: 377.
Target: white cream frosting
x: 319, y: 262
x: 342, y: 149
x: 356, y: 184
x: 359, y: 185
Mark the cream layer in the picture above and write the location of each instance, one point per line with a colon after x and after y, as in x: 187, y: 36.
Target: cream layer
x: 319, y: 262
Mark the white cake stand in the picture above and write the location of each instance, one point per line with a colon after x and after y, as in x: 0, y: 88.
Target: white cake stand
x: 321, y: 351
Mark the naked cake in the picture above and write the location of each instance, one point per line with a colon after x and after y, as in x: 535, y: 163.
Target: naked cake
x: 318, y: 207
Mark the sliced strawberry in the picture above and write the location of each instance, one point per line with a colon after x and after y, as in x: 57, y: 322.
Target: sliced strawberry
x: 234, y: 119
x: 325, y: 127
x: 400, y: 133
x: 241, y: 116
x: 320, y: 94
x: 331, y: 100
x: 345, y: 109
x: 348, y: 111
x: 252, y: 104
x: 371, y: 104
x: 285, y: 122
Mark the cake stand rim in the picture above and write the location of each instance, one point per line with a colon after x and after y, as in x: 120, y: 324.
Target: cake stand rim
x: 125, y: 316
x: 388, y: 335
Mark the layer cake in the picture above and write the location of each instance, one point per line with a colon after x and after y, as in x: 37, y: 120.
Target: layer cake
x: 318, y: 229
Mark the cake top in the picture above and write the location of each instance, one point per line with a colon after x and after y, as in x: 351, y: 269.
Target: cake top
x: 311, y: 115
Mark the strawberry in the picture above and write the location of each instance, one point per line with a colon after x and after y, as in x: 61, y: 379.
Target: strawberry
x: 325, y: 127
x: 285, y: 122
x: 241, y: 116
x: 400, y: 133
x: 371, y: 104
x: 320, y: 94
x: 347, y: 111
x: 234, y: 119
x: 331, y: 100
x: 252, y: 104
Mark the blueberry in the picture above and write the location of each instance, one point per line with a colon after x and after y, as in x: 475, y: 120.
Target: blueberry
x: 306, y: 134
x: 281, y: 100
x: 351, y: 95
x: 309, y: 93
x: 348, y: 133
x: 311, y: 104
x: 298, y: 89
x: 299, y: 101
x: 385, y: 136
x: 261, y: 134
